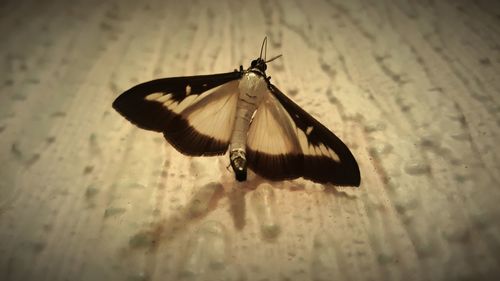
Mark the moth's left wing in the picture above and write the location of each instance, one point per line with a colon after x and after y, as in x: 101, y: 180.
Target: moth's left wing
x: 285, y: 142
x: 195, y: 114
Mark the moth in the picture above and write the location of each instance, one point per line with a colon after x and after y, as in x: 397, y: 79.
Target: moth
x: 241, y: 111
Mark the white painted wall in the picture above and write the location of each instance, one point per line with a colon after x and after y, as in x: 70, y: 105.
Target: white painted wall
x: 412, y: 88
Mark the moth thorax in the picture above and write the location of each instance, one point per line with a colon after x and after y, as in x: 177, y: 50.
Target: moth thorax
x: 239, y: 163
x: 253, y: 88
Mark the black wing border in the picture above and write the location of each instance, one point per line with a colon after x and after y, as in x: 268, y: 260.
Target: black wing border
x: 151, y: 115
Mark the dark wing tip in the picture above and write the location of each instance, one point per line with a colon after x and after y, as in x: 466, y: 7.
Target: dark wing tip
x: 351, y: 176
x: 144, y: 114
x: 325, y: 170
x: 355, y: 175
x: 347, y: 171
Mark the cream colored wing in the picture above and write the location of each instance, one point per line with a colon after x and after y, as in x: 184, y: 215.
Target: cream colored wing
x: 285, y: 142
x: 196, y: 114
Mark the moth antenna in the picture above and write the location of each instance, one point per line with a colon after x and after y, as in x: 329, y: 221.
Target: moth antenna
x: 278, y: 56
x: 265, y: 50
x: 262, y: 47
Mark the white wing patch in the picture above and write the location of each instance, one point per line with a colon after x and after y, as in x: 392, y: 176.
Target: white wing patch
x: 212, y: 113
x: 214, y: 116
x: 272, y: 131
x: 309, y: 130
x: 315, y: 150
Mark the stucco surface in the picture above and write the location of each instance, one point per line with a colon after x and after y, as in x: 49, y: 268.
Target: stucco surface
x: 412, y: 87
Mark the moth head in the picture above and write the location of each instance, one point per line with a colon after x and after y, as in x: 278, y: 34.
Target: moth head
x: 259, y: 64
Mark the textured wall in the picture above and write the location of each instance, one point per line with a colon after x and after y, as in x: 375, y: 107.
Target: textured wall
x: 411, y: 87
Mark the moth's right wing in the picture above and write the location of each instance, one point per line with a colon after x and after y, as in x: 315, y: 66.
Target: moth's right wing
x: 195, y: 114
x: 286, y: 142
